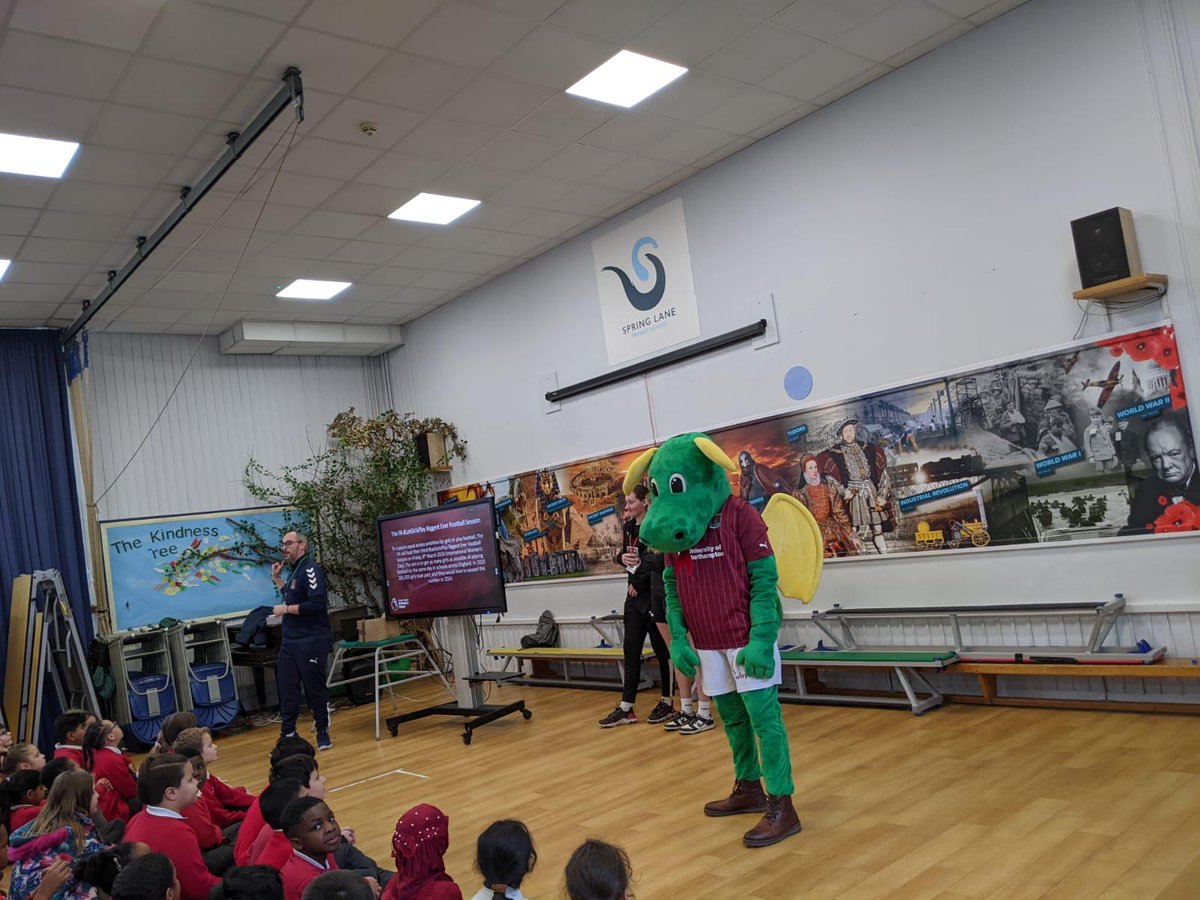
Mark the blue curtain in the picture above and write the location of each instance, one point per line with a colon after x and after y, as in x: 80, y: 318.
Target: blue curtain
x: 39, y: 507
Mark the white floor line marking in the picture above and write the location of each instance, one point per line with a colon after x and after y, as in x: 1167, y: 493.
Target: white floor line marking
x: 375, y: 777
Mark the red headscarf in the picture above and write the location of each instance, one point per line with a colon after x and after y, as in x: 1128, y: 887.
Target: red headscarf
x: 419, y: 842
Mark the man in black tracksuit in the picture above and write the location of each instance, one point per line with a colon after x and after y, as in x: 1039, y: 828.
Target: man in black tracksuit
x: 304, y: 652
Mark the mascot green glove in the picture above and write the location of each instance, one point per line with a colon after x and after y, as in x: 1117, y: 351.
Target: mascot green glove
x: 721, y: 584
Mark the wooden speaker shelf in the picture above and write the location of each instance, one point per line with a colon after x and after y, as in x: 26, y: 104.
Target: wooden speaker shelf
x: 1115, y: 289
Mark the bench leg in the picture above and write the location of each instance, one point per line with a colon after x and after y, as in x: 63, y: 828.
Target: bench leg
x: 918, y: 706
x: 987, y: 687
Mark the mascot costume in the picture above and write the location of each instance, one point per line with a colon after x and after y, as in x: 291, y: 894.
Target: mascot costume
x: 724, y: 564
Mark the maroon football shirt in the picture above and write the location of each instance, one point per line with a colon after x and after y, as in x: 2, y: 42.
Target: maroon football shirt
x: 711, y: 577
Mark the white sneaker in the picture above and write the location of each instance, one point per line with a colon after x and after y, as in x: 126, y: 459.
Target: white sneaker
x: 697, y: 725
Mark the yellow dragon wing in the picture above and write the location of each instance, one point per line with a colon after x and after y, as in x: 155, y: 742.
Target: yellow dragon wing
x: 799, y: 550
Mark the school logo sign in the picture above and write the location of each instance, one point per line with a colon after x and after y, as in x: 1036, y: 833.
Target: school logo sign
x: 644, y: 278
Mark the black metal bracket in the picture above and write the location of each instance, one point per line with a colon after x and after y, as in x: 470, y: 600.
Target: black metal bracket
x: 748, y: 332
x: 291, y: 94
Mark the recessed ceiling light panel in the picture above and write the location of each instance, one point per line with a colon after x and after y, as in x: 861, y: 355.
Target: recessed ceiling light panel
x: 4, y: 264
x: 626, y: 80
x: 433, y: 209
x: 20, y: 155
x: 307, y: 289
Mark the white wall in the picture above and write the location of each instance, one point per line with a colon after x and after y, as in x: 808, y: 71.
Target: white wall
x: 227, y: 410
x: 918, y: 225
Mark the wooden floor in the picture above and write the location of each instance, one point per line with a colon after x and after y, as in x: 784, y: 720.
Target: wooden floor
x: 962, y: 802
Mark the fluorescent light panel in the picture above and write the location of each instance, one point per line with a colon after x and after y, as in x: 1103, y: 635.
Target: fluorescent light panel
x: 433, y: 209
x: 45, y: 158
x: 626, y: 80
x: 307, y: 289
x: 4, y: 264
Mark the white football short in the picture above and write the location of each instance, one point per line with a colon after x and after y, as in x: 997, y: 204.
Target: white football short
x: 722, y: 675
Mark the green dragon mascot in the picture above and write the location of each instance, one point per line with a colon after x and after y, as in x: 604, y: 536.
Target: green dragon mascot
x: 725, y: 566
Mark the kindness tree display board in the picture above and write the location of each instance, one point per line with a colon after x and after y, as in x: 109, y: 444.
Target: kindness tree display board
x: 1089, y: 441
x: 191, y: 566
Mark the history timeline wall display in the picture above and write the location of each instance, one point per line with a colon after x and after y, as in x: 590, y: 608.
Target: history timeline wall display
x: 1091, y: 441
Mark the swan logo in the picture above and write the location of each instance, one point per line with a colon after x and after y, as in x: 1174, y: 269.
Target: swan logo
x: 642, y: 310
x: 642, y: 300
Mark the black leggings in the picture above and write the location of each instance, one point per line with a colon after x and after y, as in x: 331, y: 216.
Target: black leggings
x: 638, y: 624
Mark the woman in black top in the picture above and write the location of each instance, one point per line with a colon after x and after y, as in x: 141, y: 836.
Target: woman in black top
x: 643, y: 592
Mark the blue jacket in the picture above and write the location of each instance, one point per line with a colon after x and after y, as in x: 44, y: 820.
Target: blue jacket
x: 305, y: 588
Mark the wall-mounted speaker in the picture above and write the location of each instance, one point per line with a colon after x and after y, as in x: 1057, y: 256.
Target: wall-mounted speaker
x: 1106, y: 247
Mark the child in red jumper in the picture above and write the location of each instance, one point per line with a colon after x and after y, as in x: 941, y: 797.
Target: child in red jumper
x: 20, y: 757
x: 303, y: 768
x: 214, y: 846
x: 272, y: 847
x: 70, y: 729
x: 115, y: 782
x: 227, y: 805
x: 24, y: 797
x: 310, y: 826
x: 167, y: 786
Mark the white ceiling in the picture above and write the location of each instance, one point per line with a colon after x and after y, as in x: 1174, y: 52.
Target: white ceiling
x: 468, y: 97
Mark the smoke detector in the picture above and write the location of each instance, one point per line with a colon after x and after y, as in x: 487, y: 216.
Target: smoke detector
x: 370, y: 129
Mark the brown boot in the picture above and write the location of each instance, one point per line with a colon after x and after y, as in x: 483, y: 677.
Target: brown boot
x: 779, y: 822
x: 746, y: 797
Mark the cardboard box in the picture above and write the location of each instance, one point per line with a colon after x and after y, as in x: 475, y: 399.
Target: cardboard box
x: 378, y: 629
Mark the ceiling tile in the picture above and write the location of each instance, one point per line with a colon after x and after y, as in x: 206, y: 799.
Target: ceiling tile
x: 466, y: 34
x: 334, y: 224
x: 26, y: 190
x: 517, y: 152
x: 47, y: 115
x: 709, y: 159
x: 688, y: 143
x: 276, y: 217
x: 457, y: 237
x: 783, y: 121
x: 448, y: 139
x: 302, y: 246
x: 423, y: 257
x: 342, y: 124
x: 10, y: 244
x: 58, y: 66
x: 579, y: 162
x: 108, y: 166
x: 332, y: 63
x: 759, y: 53
x: 396, y: 233
x: 553, y: 58
x: 566, y: 118
x: 367, y: 199
x: 144, y: 129
x: 16, y: 220
x: 330, y: 159
x: 172, y: 87
x: 496, y: 216
x: 364, y: 252
x: 52, y: 250
x: 507, y: 244
x: 472, y: 181
x: 824, y: 20
x: 445, y: 280
x: 334, y: 270
x: 396, y: 169
x: 895, y: 29
x: 120, y: 24
x: 692, y: 31
x: 751, y: 109
x: 394, y: 276
x: 206, y: 261
x: 180, y: 301
x: 369, y: 293
x: 385, y: 22
x: 212, y: 37
x: 630, y: 132
x: 616, y: 21
x: 549, y: 223
x: 760, y: 9
x: 589, y: 199
x: 532, y: 191
x: 413, y: 83
x: 534, y: 10
x: 920, y: 48
x: 194, y: 282
x: 478, y: 263
x: 496, y: 100
x: 692, y: 96
x: 999, y: 8
x: 79, y: 226
x: 814, y: 74
x: 961, y: 8
x: 635, y: 174
x: 293, y: 189
x: 26, y: 271
x: 15, y: 292
x: 851, y: 85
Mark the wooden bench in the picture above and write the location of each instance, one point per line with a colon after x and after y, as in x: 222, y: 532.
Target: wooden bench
x: 903, y: 663
x: 567, y: 656
x: 988, y: 673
